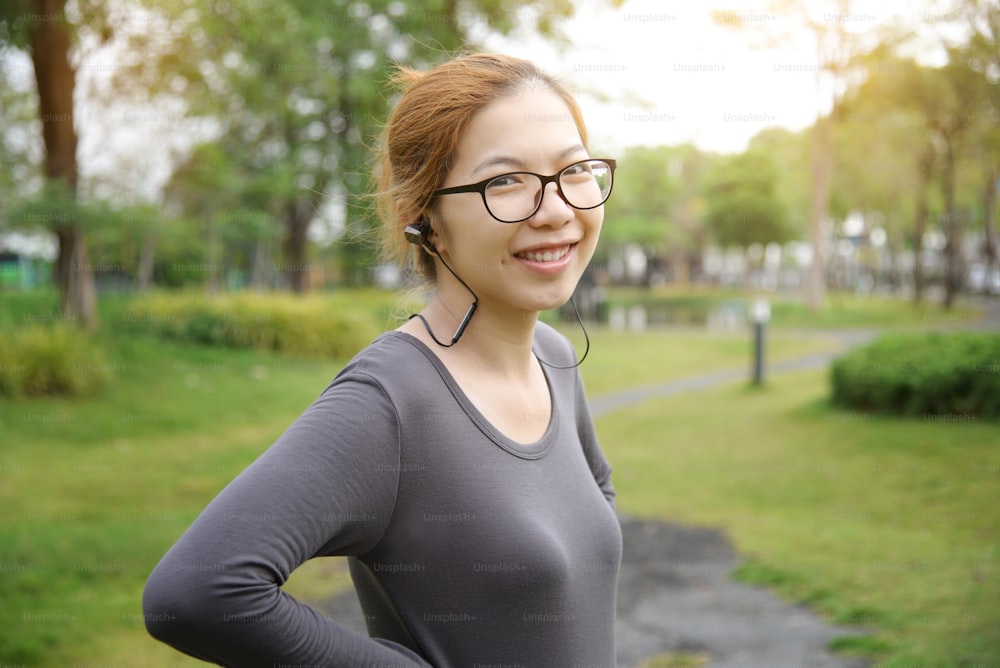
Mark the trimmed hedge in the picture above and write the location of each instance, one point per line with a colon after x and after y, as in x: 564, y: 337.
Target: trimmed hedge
x: 313, y: 326
x: 937, y: 374
x: 51, y: 360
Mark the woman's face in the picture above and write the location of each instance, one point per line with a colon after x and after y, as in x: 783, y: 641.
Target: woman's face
x: 532, y: 265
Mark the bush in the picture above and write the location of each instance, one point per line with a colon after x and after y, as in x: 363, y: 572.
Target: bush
x: 314, y: 326
x: 50, y: 360
x: 930, y: 374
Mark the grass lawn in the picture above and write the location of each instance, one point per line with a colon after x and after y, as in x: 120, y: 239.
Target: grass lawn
x: 619, y: 360
x: 92, y: 492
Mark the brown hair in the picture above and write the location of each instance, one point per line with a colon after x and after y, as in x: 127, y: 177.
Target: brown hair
x: 422, y: 134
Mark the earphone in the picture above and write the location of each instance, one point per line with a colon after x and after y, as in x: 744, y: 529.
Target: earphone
x: 418, y: 235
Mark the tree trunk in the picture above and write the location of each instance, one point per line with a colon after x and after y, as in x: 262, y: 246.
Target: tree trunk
x: 293, y: 247
x: 76, y: 280
x: 822, y: 166
x: 991, y: 185
x: 49, y: 42
x: 214, y: 267
x: 258, y: 267
x: 951, y: 228
x: 920, y: 224
x: 895, y: 276
x: 147, y: 258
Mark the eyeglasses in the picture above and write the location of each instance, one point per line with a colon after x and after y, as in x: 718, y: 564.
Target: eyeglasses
x: 516, y: 196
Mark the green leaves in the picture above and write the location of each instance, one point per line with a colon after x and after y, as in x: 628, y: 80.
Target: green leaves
x: 743, y: 207
x: 953, y: 376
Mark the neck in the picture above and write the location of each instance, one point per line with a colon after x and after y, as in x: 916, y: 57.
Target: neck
x: 497, y: 339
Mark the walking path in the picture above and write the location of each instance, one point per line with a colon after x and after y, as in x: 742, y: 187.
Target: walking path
x: 676, y: 594
x: 633, y: 396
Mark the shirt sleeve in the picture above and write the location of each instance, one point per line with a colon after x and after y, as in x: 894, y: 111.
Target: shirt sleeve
x: 327, y: 486
x: 591, y: 448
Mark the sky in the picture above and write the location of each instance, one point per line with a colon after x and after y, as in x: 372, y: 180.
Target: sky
x: 675, y: 76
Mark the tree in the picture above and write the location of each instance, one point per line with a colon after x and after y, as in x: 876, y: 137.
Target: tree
x: 296, y: 89
x: 981, y: 54
x: 884, y: 164
x: 789, y: 151
x: 953, y: 117
x: 42, y: 28
x: 959, y: 104
x: 743, y: 207
x: 658, y: 203
x: 950, y: 103
x: 827, y: 22
x: 20, y: 154
x: 645, y: 189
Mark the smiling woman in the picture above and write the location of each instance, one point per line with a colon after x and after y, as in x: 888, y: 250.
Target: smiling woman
x: 464, y: 479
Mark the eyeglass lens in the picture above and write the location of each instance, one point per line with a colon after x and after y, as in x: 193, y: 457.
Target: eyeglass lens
x: 516, y: 196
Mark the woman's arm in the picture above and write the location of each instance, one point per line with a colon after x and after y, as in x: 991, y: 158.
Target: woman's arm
x: 591, y: 448
x: 326, y: 487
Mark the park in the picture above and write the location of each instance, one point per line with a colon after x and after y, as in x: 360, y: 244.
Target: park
x: 186, y: 266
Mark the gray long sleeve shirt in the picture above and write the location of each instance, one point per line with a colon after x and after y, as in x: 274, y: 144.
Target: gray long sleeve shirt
x: 467, y: 549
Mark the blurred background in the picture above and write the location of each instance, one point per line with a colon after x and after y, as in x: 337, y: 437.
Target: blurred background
x: 188, y: 255
x: 800, y: 146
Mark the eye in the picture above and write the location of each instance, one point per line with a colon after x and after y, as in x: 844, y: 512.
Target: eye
x: 578, y: 169
x: 507, y: 181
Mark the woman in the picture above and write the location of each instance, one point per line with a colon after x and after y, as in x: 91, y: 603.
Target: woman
x: 454, y: 459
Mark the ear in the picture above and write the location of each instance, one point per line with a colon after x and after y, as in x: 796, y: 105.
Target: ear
x: 433, y: 238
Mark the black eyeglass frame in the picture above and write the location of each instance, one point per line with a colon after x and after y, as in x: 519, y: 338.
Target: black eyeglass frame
x: 480, y: 188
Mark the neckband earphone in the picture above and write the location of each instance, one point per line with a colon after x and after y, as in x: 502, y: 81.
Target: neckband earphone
x: 418, y: 234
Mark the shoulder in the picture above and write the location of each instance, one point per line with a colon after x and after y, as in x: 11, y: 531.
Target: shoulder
x: 552, y: 346
x: 386, y: 358
x: 395, y: 365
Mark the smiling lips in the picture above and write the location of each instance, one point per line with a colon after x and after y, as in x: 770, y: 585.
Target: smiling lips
x: 548, y: 255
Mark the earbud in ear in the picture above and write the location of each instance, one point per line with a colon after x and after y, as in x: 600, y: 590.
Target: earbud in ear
x: 418, y: 234
x: 415, y: 235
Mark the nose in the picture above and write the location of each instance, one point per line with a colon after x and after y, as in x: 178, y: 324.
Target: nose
x: 552, y: 210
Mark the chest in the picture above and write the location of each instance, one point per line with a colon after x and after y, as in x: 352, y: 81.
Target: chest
x: 520, y: 411
x: 511, y: 524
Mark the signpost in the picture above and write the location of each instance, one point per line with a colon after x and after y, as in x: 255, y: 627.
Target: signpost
x: 760, y: 314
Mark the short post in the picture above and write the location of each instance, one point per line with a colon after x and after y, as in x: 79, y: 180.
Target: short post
x: 760, y: 314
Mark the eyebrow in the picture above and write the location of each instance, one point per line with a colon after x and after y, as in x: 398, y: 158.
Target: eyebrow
x: 517, y: 163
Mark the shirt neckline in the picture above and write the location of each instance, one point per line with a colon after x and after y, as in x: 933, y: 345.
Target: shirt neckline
x: 534, y: 450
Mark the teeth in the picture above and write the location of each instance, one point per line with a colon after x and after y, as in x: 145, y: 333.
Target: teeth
x: 547, y: 256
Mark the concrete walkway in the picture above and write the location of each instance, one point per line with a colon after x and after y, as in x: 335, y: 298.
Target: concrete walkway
x: 676, y: 596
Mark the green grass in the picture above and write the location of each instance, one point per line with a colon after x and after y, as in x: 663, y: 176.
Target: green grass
x: 886, y: 523
x: 681, y: 660
x: 94, y: 491
x: 619, y: 360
